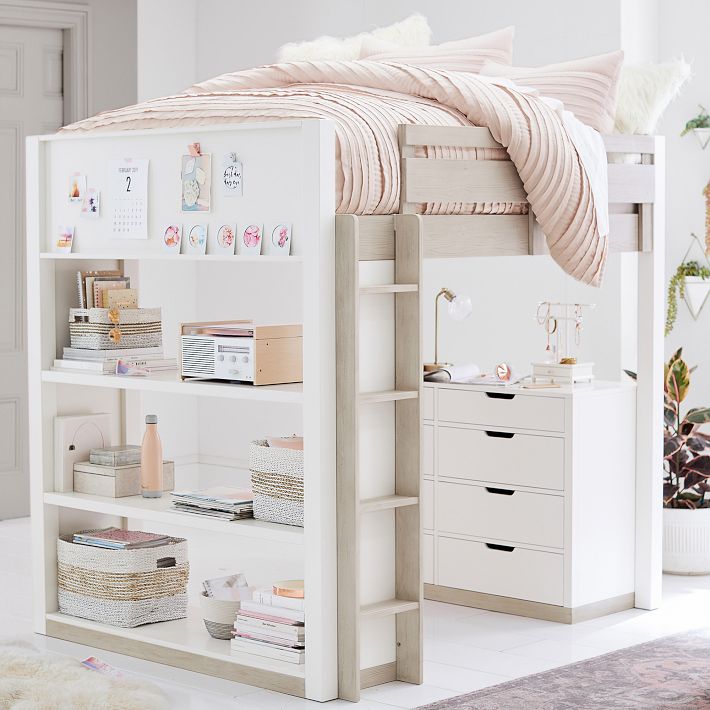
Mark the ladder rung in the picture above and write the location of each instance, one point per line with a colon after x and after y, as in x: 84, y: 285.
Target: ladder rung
x: 388, y: 608
x: 387, y: 396
x: 389, y: 288
x: 370, y: 505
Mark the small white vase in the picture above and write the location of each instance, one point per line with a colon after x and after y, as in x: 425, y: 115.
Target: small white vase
x: 696, y: 293
x: 686, y: 541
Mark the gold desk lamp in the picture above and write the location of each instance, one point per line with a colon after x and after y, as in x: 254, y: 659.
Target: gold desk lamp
x: 459, y: 308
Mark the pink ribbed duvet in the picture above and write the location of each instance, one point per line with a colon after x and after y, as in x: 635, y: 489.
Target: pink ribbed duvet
x: 367, y: 101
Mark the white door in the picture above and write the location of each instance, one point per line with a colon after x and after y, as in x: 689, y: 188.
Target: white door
x: 30, y: 103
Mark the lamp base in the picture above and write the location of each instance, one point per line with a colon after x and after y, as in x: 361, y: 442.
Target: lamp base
x: 435, y: 366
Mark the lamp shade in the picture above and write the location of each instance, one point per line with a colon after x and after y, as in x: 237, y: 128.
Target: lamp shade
x: 460, y: 307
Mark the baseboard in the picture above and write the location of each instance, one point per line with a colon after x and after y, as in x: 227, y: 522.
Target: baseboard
x: 534, y: 610
x: 376, y: 675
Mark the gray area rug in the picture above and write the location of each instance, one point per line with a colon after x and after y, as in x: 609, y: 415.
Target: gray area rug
x: 668, y: 673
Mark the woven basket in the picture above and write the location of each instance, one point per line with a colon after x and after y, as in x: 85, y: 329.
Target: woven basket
x: 123, y: 587
x: 277, y: 483
x: 89, y: 328
x: 219, y: 615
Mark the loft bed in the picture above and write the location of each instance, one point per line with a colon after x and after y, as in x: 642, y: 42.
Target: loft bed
x: 373, y: 633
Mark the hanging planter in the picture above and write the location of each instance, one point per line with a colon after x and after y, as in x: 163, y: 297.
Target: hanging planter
x: 691, y: 282
x: 703, y: 136
x: 700, y: 126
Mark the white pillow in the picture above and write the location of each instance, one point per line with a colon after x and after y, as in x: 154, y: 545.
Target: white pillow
x: 644, y: 92
x: 412, y: 32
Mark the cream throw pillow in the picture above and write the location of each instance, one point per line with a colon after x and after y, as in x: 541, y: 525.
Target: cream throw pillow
x: 466, y: 55
x: 587, y: 87
x: 645, y: 91
x: 412, y: 32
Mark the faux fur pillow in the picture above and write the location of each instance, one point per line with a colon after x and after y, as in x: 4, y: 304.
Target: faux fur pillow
x: 467, y: 55
x: 412, y: 32
x: 587, y: 87
x: 645, y: 91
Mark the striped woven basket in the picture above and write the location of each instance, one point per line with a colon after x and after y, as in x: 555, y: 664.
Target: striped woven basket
x: 277, y: 483
x: 140, y: 328
x: 123, y: 587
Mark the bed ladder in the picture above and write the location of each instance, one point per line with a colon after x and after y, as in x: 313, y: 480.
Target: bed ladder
x: 406, y: 247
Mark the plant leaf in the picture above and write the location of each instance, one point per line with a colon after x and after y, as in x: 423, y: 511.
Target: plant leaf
x: 669, y: 492
x: 697, y: 443
x: 672, y: 445
x: 631, y: 374
x: 677, y: 379
x: 700, y: 415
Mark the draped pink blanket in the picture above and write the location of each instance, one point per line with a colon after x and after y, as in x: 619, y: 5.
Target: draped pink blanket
x: 367, y: 101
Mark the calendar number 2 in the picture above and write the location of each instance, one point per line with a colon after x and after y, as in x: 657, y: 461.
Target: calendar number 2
x: 128, y: 183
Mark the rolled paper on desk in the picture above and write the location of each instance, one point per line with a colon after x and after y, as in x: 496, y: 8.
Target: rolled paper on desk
x: 455, y: 373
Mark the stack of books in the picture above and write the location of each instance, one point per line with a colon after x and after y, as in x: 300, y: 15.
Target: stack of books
x: 272, y: 626
x: 103, y: 362
x: 221, y: 502
x: 117, y: 539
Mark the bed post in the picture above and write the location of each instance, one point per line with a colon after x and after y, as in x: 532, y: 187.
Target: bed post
x: 649, y: 408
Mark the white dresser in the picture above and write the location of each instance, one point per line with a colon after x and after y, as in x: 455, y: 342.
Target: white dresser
x: 528, y: 498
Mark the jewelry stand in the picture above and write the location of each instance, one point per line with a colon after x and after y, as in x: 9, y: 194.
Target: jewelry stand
x: 562, y: 366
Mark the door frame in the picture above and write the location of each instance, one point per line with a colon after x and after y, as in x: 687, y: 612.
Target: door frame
x: 74, y: 21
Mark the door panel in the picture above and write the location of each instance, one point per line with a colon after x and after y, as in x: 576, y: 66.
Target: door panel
x: 30, y: 103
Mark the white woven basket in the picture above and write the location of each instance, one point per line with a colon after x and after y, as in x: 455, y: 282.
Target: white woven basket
x: 89, y: 328
x: 277, y: 483
x: 123, y: 587
x: 219, y: 615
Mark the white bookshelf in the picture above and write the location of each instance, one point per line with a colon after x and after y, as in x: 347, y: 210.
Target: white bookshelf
x: 288, y: 176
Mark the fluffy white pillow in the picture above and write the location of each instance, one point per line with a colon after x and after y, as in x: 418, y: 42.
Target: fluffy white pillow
x: 412, y: 32
x: 644, y: 93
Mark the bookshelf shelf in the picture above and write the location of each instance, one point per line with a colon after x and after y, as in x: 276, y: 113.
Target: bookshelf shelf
x: 128, y: 256
x: 169, y: 382
x: 183, y: 643
x: 158, y: 510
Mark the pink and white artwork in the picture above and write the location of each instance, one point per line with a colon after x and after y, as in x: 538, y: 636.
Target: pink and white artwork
x: 280, y: 239
x: 195, y: 240
x: 223, y: 240
x: 172, y: 237
x: 251, y: 239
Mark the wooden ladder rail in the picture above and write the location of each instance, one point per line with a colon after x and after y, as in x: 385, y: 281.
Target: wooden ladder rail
x: 405, y: 502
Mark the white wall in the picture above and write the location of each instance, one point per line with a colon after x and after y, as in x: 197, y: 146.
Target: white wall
x: 684, y: 31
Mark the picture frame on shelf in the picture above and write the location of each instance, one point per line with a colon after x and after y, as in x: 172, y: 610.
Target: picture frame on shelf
x: 250, y: 239
x: 222, y: 240
x: 172, y: 237
x: 195, y: 239
x: 280, y: 239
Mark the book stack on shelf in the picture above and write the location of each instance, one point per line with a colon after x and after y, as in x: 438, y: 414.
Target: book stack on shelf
x: 220, y: 502
x: 273, y: 624
x: 109, y: 333
x: 115, y: 472
x: 118, y: 539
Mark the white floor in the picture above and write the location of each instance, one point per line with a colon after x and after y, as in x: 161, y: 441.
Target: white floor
x: 464, y: 649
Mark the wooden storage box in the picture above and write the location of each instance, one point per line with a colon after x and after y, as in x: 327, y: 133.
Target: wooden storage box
x: 116, y: 481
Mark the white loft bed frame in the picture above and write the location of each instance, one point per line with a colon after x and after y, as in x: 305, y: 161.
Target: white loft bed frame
x: 380, y: 639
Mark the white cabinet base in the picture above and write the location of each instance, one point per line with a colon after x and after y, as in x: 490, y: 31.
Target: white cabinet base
x: 521, y: 607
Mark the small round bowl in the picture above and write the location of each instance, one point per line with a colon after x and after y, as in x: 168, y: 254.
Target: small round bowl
x: 219, y: 615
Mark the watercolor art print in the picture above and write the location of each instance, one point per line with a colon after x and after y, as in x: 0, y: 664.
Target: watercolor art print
x: 77, y: 187
x: 251, y: 238
x: 172, y: 237
x: 281, y: 240
x: 65, y: 239
x: 223, y: 240
x: 195, y: 241
x: 91, y: 207
x: 195, y: 177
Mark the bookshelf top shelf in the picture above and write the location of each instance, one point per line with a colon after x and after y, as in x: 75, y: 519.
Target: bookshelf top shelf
x: 158, y: 256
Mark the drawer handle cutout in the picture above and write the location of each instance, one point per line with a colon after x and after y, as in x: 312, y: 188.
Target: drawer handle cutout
x: 500, y: 395
x: 500, y: 434
x: 500, y: 491
x: 164, y: 562
x: 502, y: 548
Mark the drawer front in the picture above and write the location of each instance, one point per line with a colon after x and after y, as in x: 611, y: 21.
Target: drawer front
x: 518, y: 573
x: 512, y: 459
x: 502, y: 409
x: 495, y: 513
x: 428, y: 505
x: 428, y: 402
x: 427, y: 450
x: 428, y: 559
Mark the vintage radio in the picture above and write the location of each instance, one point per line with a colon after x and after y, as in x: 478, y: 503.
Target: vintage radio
x: 242, y: 351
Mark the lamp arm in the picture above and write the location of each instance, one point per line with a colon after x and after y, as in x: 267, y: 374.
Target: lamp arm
x: 441, y: 293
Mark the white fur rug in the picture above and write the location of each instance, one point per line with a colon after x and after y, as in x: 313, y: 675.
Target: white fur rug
x: 31, y: 680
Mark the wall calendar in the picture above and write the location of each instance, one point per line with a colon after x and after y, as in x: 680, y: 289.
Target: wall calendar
x: 128, y: 195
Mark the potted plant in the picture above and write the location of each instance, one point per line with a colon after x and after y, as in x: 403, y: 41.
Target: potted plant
x: 686, y: 477
x: 691, y: 281
x: 700, y: 126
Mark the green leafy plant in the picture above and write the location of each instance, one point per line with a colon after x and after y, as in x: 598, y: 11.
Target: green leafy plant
x: 676, y: 288
x: 686, y: 449
x: 702, y: 120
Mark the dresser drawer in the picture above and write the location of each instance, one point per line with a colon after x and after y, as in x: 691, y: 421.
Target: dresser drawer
x: 500, y: 514
x: 517, y: 572
x: 512, y: 459
x: 501, y: 409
